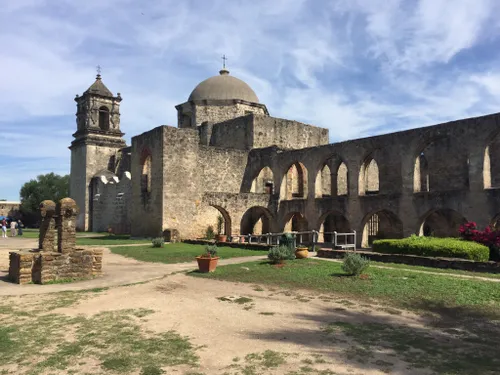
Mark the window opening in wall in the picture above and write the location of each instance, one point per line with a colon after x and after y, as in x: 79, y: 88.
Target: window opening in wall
x: 146, y: 175
x: 268, y: 187
x: 373, y: 228
x: 104, y: 118
x: 371, y: 177
x: 342, y: 180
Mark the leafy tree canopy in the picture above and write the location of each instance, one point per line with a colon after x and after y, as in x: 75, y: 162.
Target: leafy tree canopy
x: 46, y: 186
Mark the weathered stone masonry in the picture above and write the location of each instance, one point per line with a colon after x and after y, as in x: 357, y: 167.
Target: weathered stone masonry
x: 51, y: 262
x: 229, y: 157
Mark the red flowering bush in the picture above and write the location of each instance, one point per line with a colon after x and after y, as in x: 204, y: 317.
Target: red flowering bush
x: 487, y: 237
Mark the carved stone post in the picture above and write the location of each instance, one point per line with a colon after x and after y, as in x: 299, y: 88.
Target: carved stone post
x: 67, y: 211
x: 47, y: 228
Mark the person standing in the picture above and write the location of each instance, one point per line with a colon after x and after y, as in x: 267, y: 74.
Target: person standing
x: 4, y: 228
x: 13, y: 224
x: 19, y: 228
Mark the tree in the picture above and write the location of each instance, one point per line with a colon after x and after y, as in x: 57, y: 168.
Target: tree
x: 46, y: 186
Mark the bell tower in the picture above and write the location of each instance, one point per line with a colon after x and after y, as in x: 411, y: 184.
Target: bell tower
x: 97, y: 139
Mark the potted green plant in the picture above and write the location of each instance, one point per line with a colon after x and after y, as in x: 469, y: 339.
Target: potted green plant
x: 220, y: 237
x: 301, y: 252
x: 207, y: 262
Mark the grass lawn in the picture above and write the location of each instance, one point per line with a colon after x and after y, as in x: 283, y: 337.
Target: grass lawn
x: 438, y: 270
x: 396, y: 286
x: 179, y: 252
x: 33, y: 233
x: 103, y: 240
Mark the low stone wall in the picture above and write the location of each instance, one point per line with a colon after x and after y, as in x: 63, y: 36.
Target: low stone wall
x: 41, y: 267
x: 451, y: 263
x: 244, y: 245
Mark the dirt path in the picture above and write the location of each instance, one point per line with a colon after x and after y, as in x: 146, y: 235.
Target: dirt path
x: 117, y: 269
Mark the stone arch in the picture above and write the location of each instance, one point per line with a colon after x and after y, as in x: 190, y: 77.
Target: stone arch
x: 146, y: 165
x: 104, y: 118
x: 443, y: 222
x: 294, y: 183
x: 297, y: 222
x: 227, y: 225
x: 256, y: 220
x: 342, y: 180
x: 323, y: 184
x: 264, y: 182
x: 421, y: 174
x: 332, y: 221
x: 495, y: 222
x: 369, y: 183
x: 441, y: 164
x: 381, y: 224
x: 491, y: 162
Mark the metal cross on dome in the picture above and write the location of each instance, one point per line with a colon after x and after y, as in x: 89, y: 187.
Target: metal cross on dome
x: 224, y: 58
x: 98, y: 68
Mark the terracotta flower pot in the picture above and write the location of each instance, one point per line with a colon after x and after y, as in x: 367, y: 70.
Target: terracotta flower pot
x: 301, y: 252
x: 221, y: 238
x: 207, y: 264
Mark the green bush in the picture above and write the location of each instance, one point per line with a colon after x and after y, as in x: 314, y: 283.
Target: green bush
x: 280, y: 253
x: 158, y: 242
x: 354, y: 264
x: 434, y: 247
x: 209, y: 233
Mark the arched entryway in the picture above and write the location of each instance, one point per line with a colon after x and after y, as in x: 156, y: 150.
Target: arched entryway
x: 379, y: 225
x: 256, y: 220
x: 212, y: 220
x: 330, y: 222
x: 443, y: 222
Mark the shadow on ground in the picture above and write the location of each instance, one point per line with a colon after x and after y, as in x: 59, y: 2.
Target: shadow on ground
x: 444, y: 340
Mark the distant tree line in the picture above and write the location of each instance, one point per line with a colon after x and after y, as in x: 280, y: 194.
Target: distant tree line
x: 46, y: 186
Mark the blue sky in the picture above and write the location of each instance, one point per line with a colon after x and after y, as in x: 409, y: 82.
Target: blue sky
x: 359, y: 68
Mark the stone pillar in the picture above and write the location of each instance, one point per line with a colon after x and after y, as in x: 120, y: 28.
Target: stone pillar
x: 47, y: 233
x: 67, y: 211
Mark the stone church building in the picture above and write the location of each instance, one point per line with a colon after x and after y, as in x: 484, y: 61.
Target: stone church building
x: 228, y: 156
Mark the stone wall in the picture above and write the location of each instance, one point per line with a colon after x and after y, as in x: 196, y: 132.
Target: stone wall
x: 9, y: 208
x: 258, y: 131
x: 195, y: 113
x: 112, y: 205
x: 41, y: 267
x: 146, y: 214
x: 44, y: 265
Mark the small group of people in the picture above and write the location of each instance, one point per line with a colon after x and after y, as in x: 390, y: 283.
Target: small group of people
x: 16, y: 227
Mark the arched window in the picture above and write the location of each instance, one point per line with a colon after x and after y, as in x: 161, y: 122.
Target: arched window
x: 294, y: 184
x: 342, y: 179
x: 263, y: 183
x: 421, y: 174
x: 324, y: 182
x: 104, y: 118
x: 146, y: 175
x: 369, y: 178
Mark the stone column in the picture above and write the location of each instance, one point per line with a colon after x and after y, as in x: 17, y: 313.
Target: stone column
x: 67, y: 211
x: 47, y: 233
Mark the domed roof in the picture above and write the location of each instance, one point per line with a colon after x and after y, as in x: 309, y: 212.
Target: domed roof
x: 223, y: 87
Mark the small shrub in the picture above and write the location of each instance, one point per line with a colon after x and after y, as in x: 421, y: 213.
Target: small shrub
x: 280, y: 253
x: 158, y: 242
x: 434, y: 247
x: 288, y: 240
x: 210, y: 251
x: 354, y: 264
x: 209, y: 233
x: 220, y: 223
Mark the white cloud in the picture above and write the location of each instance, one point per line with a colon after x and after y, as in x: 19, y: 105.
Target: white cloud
x: 356, y: 67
